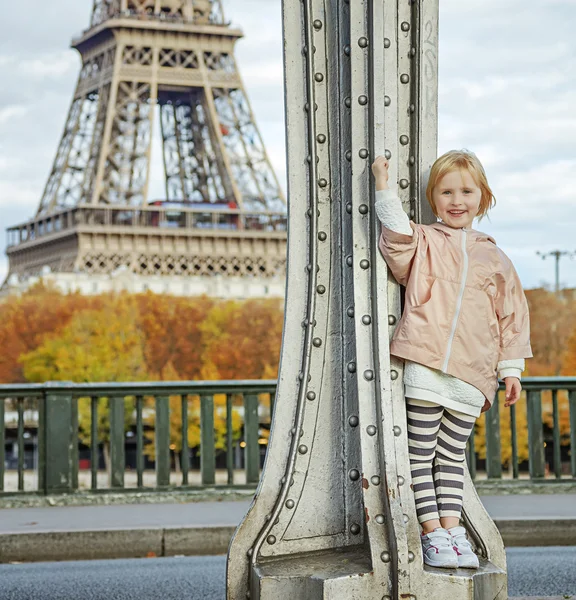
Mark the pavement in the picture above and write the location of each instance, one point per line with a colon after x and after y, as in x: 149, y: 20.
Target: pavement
x: 204, y: 528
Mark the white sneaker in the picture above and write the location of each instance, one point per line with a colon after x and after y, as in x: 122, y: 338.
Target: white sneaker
x: 466, y: 557
x: 438, y: 550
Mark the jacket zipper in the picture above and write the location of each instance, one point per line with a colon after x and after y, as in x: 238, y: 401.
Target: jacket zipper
x: 459, y: 303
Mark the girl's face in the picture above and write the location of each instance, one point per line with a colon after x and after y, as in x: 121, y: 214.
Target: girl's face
x: 457, y: 198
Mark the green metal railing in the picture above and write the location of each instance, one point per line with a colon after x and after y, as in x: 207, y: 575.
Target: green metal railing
x: 155, y: 414
x: 540, y: 431
x: 56, y: 406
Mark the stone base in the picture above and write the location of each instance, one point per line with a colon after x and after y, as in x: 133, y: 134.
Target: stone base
x: 347, y: 573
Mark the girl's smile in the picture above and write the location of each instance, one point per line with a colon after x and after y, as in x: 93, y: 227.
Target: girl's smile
x: 457, y: 198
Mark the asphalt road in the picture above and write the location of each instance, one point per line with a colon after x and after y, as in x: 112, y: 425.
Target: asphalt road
x: 532, y: 572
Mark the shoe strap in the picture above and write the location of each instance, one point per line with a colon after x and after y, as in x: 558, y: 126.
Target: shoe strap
x: 462, y: 541
x: 439, y: 535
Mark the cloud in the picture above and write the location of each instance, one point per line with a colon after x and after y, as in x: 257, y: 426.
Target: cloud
x: 11, y: 112
x: 53, y: 65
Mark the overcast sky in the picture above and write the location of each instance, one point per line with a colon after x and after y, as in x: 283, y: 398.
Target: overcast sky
x: 507, y: 92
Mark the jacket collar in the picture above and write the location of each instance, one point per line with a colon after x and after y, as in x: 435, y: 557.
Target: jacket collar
x: 478, y: 236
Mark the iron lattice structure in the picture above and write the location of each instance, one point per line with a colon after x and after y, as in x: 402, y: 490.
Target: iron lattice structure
x: 168, y: 64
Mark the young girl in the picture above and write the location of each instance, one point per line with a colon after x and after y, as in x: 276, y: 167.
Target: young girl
x: 465, y: 322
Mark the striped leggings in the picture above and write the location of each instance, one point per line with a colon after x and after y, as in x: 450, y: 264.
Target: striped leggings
x: 437, y: 439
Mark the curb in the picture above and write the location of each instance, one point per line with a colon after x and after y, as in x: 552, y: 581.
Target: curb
x: 504, y: 487
x: 117, y: 543
x: 198, y: 541
x: 112, y: 498
x: 537, y: 532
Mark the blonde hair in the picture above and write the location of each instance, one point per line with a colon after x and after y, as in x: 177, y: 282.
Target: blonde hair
x: 458, y: 160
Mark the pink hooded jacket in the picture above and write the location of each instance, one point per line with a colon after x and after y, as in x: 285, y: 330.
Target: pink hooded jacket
x: 465, y: 309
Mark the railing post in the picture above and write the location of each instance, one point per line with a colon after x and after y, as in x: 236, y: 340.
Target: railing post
x: 493, y: 447
x: 139, y: 442
x: 185, y: 462
x: 557, y: 460
x: 58, y: 440
x: 162, y: 441
x: 117, y: 452
x: 75, y: 448
x: 572, y: 402
x: 252, y: 450
x: 94, y: 456
x: 229, y: 441
x: 514, y: 434
x: 207, y: 450
x: 535, y: 434
x: 2, y: 443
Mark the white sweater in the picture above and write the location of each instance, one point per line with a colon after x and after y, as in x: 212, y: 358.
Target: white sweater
x: 422, y: 382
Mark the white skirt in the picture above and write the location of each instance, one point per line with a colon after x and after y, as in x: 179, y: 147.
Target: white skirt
x: 424, y: 383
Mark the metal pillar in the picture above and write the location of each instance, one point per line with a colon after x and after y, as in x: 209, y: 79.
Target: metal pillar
x: 333, y: 516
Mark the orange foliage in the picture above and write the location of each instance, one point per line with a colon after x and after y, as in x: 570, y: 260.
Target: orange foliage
x: 172, y: 336
x: 26, y: 320
x: 242, y: 340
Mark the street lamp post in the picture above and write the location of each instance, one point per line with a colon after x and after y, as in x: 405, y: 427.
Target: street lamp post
x: 557, y: 254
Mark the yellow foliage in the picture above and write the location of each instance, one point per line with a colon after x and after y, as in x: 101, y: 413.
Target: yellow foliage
x: 96, y: 345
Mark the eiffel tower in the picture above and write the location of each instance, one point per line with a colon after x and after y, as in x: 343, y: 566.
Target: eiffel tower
x: 164, y: 67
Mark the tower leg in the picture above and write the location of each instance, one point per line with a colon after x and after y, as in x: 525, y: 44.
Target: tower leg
x: 334, y: 514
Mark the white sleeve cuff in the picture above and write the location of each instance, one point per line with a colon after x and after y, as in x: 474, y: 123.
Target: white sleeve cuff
x: 510, y: 373
x: 511, y: 368
x: 391, y: 213
x: 512, y: 363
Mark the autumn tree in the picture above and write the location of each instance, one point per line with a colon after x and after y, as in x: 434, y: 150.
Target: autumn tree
x: 242, y: 340
x: 552, y: 323
x: 101, y: 345
x: 171, y: 333
x: 25, y: 321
